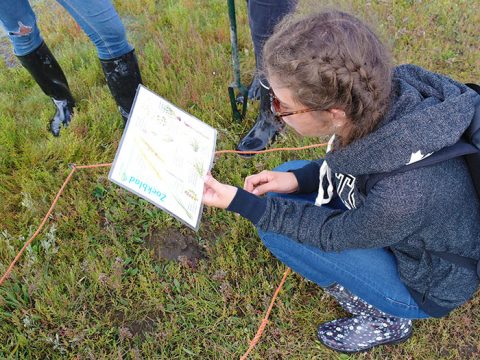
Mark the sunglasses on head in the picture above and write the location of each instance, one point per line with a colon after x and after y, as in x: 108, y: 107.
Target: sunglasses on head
x: 276, y: 107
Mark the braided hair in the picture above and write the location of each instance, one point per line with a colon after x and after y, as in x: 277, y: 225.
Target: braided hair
x: 332, y: 60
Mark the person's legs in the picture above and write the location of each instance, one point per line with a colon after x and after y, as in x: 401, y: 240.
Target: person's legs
x: 368, y: 273
x: 371, y: 274
x: 20, y: 23
x: 364, y: 281
x: 19, y: 20
x: 100, y: 21
x: 263, y: 15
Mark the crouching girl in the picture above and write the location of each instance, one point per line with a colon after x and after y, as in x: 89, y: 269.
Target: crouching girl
x: 330, y: 75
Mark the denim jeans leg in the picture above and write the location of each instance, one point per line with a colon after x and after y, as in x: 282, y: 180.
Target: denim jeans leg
x: 368, y: 273
x: 100, y: 21
x: 292, y: 165
x: 263, y: 15
x: 20, y: 23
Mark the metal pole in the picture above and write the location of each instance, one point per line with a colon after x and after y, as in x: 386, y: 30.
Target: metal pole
x: 238, y: 115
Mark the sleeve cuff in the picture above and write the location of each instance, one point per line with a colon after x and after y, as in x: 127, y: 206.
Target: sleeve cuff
x: 308, y: 178
x: 249, y: 206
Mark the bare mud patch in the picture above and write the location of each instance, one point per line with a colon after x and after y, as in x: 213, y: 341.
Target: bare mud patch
x: 172, y: 244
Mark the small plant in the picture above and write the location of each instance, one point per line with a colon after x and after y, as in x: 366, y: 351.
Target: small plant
x: 48, y: 244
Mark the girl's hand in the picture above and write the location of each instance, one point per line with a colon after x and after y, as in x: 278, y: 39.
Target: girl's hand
x: 271, y: 181
x: 217, y: 194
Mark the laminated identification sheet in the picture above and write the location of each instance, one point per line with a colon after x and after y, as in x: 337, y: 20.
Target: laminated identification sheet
x: 164, y: 155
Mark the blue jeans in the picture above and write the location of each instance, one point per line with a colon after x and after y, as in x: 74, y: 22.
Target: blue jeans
x: 371, y: 274
x: 97, y: 18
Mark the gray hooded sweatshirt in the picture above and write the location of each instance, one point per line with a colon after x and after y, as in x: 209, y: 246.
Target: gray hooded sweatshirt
x: 431, y: 208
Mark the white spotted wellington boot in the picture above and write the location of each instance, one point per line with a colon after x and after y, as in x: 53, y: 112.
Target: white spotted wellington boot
x: 369, y: 327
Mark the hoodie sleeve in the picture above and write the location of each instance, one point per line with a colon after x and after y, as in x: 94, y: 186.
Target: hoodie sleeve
x: 307, y: 177
x: 391, y: 212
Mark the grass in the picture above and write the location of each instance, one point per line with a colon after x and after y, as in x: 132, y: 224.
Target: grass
x: 91, y: 287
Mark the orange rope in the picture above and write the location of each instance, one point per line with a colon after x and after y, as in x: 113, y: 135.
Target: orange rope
x: 47, y: 215
x: 74, y: 167
x: 258, y: 335
x: 270, y: 150
x: 92, y: 166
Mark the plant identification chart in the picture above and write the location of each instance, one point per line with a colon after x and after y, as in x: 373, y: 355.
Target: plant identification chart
x: 164, y: 155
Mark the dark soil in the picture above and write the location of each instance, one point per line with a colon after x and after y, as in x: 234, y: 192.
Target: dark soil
x: 140, y: 328
x: 171, y: 244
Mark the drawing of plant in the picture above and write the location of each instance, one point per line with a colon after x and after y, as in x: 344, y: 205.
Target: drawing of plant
x: 143, y: 148
x: 198, y: 167
x: 160, y: 119
x: 195, y: 145
x: 167, y: 109
x: 189, y: 214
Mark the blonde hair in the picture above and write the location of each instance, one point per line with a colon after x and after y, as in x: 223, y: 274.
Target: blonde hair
x: 332, y: 60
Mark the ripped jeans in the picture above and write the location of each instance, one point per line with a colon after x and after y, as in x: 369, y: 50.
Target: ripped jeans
x: 97, y: 18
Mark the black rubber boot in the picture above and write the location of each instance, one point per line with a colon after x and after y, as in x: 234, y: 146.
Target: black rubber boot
x: 253, y: 91
x: 266, y: 128
x: 369, y: 327
x: 48, y: 74
x: 123, y: 77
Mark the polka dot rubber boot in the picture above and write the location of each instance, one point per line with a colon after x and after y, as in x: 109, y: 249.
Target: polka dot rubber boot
x: 353, y: 304
x: 369, y: 327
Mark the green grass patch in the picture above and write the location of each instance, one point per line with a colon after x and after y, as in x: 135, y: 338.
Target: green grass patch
x: 92, y: 286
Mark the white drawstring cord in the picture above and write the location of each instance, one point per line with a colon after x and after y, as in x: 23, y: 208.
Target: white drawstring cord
x: 325, y: 170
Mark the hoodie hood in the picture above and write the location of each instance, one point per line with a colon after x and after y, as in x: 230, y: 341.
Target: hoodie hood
x: 428, y: 112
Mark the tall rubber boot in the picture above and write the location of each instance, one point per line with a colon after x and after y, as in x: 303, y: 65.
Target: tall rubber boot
x: 266, y: 128
x: 123, y: 77
x: 369, y: 327
x: 253, y: 90
x: 48, y: 74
